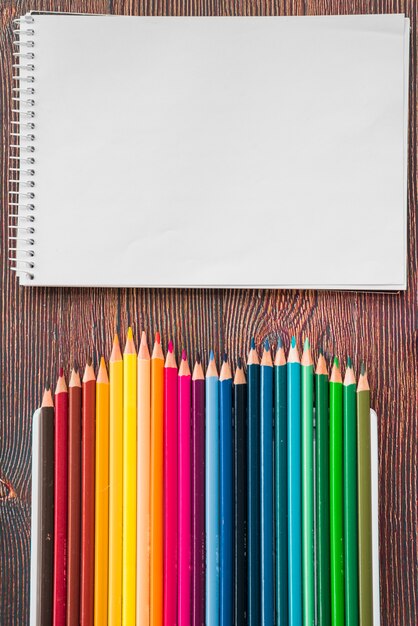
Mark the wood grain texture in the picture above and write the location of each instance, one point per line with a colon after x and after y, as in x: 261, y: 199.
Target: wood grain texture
x: 42, y: 328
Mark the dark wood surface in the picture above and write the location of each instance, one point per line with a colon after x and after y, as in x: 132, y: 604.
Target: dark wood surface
x: 42, y: 328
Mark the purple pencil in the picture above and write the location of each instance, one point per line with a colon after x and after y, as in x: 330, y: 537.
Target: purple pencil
x: 198, y: 495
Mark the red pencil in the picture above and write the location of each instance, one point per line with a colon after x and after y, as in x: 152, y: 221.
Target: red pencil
x: 87, y: 496
x: 61, y: 501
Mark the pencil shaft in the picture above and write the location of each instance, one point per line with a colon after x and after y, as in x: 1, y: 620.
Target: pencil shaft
x: 280, y: 431
x: 74, y: 506
x: 101, y: 535
x: 294, y: 493
x: 322, y: 499
x: 46, y: 545
x: 226, y: 545
x: 115, y: 491
x: 198, y: 503
x: 308, y: 601
x: 350, y: 506
x: 129, y: 489
x: 170, y: 496
x: 35, y: 523
x: 266, y: 475
x: 336, y: 504
x: 253, y: 493
x: 240, y: 499
x: 364, y: 509
x: 61, y: 508
x: 87, y: 503
x: 212, y: 500
x: 157, y: 492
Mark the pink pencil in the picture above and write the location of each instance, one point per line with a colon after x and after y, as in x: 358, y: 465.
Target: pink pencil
x: 185, y: 496
x: 170, y: 488
x: 61, y: 497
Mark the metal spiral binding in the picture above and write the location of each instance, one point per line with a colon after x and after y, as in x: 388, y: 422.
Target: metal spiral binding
x: 21, y: 158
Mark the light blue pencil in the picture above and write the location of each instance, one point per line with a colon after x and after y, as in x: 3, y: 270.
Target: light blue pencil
x: 212, y: 493
x: 294, y: 486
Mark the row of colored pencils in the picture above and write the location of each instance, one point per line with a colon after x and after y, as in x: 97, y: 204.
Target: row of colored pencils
x: 170, y: 497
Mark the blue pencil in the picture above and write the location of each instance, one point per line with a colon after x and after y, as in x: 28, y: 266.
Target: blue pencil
x: 266, y: 458
x: 226, y: 500
x: 212, y: 493
x: 294, y: 486
x: 253, y: 487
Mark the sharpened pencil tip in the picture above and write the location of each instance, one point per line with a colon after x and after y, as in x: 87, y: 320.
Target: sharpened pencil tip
x: 75, y: 366
x: 157, y: 337
x: 252, y: 343
x: 279, y: 342
x: 47, y: 385
x: 306, y: 344
x: 184, y: 355
x: 130, y: 334
x: 266, y: 345
x: 362, y: 368
x: 89, y: 361
x: 198, y: 358
x: 336, y: 362
x: 239, y: 363
x: 61, y: 372
x: 211, y: 356
x: 293, y: 342
x: 225, y: 357
x: 349, y: 362
x: 321, y: 351
x: 170, y: 346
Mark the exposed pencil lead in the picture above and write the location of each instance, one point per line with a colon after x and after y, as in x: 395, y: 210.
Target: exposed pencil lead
x: 75, y: 366
x: 279, y: 342
x: 266, y: 345
x: 170, y: 346
x: 321, y: 350
x: 61, y: 372
x: 130, y: 333
x: 211, y: 356
x: 239, y: 364
x: 336, y: 362
x: 306, y: 344
x: 157, y: 337
x: 349, y: 362
x: 89, y: 361
x: 184, y: 355
x: 252, y: 343
x: 293, y: 342
x: 47, y: 386
x: 198, y: 358
x: 362, y: 368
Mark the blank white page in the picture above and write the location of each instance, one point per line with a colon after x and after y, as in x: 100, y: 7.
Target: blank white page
x: 236, y: 152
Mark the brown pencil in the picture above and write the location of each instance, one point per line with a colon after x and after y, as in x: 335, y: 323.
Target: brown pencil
x: 46, y: 507
x: 87, y: 496
x: 74, y: 504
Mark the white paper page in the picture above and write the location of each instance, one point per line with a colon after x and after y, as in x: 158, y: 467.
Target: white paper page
x: 220, y: 151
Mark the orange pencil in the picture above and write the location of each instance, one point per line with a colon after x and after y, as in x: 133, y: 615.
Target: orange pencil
x: 157, y: 483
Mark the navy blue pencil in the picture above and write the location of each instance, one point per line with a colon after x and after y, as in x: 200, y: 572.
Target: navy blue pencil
x: 226, y: 499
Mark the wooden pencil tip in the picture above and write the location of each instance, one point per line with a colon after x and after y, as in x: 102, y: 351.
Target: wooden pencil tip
x: 252, y: 344
x: 115, y: 339
x: 306, y: 344
x: 157, y: 337
x: 184, y: 355
x: 47, y: 400
x: 349, y: 362
x: 89, y: 361
x: 61, y: 372
x: 130, y: 334
x: 170, y: 346
x: 47, y: 386
x: 293, y: 342
x: 211, y: 356
x: 239, y: 363
x: 336, y: 362
x: 363, y: 368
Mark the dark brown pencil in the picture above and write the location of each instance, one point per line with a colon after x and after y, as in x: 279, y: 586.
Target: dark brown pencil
x: 46, y: 508
x: 87, y: 496
x: 74, y: 504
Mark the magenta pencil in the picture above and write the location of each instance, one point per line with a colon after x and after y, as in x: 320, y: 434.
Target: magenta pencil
x: 198, y: 495
x: 170, y: 488
x: 185, y: 496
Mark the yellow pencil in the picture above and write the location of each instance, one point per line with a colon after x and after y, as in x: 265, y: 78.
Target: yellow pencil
x: 102, y: 497
x: 143, y: 484
x: 129, y: 483
x: 157, y: 472
x: 115, y: 482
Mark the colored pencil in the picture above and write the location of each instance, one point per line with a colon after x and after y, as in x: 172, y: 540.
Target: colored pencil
x: 129, y: 482
x: 212, y: 492
x: 87, y: 495
x: 74, y: 499
x: 157, y: 484
x: 253, y: 487
x: 34, y: 619
x: 101, y: 536
x: 143, y: 417
x: 46, y: 508
x: 240, y: 498
x: 322, y: 492
x: 336, y: 494
x: 198, y: 494
x: 294, y: 485
x: 266, y: 475
x: 308, y: 572
x: 280, y: 445
x: 61, y: 501
x: 350, y: 496
x: 225, y: 508
x: 170, y: 488
x: 185, y: 496
x: 375, y: 516
x: 115, y: 482
x: 364, y: 494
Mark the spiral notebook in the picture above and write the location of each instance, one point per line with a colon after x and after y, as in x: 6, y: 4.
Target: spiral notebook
x: 210, y: 152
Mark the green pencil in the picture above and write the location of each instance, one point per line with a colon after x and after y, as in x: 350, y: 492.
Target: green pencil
x: 336, y: 494
x: 308, y: 572
x: 322, y: 492
x: 364, y: 500
x: 350, y: 497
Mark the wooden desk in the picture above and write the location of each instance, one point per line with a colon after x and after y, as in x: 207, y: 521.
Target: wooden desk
x: 45, y: 328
